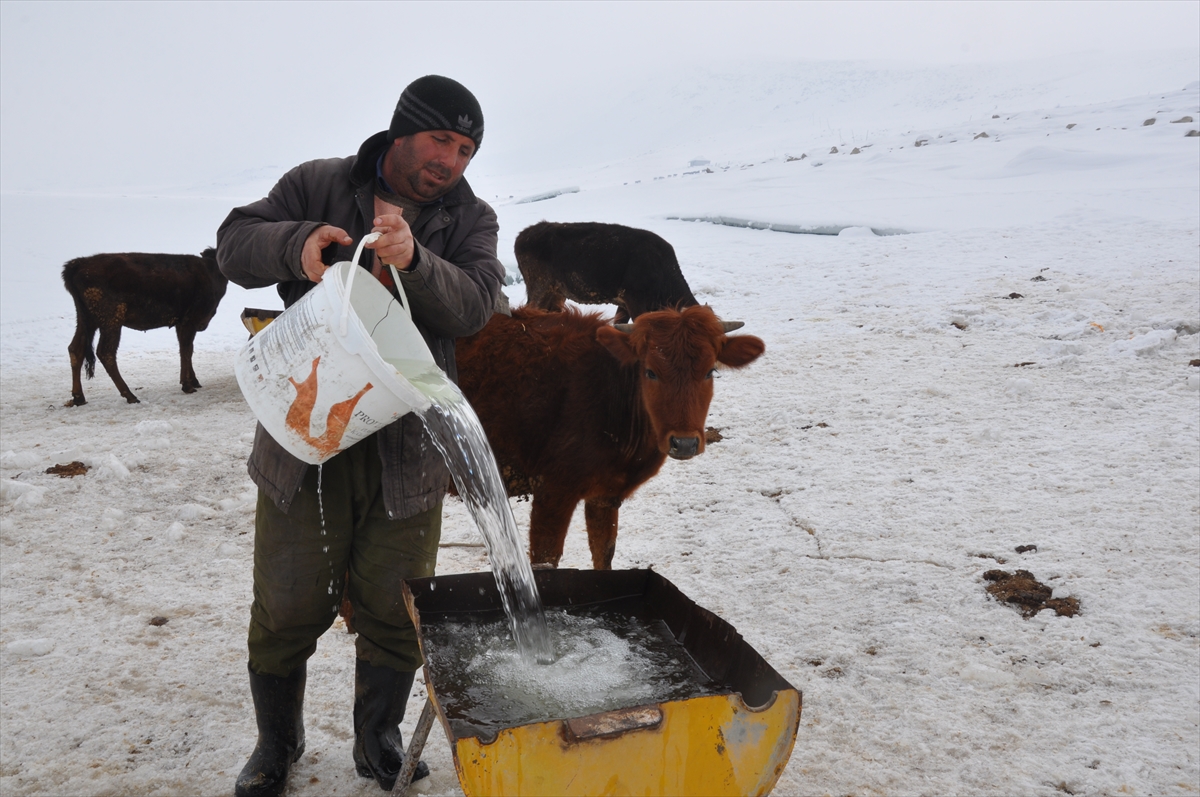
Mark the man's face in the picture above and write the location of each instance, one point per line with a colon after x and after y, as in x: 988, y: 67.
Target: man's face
x: 426, y: 165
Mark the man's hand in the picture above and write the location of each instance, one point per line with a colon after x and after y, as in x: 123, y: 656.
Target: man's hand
x: 395, y: 245
x: 318, y: 239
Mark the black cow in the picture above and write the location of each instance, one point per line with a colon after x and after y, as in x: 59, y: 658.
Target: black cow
x: 594, y: 263
x: 139, y: 291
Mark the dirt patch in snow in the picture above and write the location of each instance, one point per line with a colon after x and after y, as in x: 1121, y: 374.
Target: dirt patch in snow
x: 70, y: 469
x: 1026, y: 593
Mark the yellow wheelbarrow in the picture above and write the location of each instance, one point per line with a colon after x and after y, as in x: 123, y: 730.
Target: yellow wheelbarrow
x: 734, y: 737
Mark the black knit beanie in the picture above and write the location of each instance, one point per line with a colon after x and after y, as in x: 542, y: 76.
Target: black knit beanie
x: 434, y: 102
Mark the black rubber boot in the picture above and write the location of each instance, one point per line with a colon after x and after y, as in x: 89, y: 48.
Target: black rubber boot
x: 380, y: 697
x: 279, y: 710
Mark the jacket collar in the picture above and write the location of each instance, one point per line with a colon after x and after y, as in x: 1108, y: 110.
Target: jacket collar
x: 362, y: 172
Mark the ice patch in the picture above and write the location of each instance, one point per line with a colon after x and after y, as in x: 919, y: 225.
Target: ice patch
x: 20, y: 459
x: 153, y: 428
x: 111, y: 468
x: 1143, y: 345
x: 228, y: 550
x: 21, y: 494
x: 547, y: 195
x: 1075, y: 333
x: 1018, y: 386
x: 978, y: 673
x: 795, y: 229
x: 195, y: 512
x: 28, y: 648
x: 81, y: 453
x: 1057, y: 349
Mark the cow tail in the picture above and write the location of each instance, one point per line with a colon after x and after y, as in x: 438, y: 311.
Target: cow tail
x: 89, y: 359
x: 81, y: 314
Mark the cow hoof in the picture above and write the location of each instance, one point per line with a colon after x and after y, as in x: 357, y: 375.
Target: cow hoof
x: 76, y: 401
x: 190, y: 388
x: 132, y: 399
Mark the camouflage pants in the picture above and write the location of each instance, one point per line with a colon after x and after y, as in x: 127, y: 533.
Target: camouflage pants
x: 302, y: 560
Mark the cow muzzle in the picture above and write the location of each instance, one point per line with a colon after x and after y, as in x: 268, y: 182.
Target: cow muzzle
x: 683, y: 447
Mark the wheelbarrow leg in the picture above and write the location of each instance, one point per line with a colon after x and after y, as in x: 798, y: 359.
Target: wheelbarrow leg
x: 416, y: 745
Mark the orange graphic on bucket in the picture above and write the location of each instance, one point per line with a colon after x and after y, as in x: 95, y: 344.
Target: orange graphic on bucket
x: 299, y: 416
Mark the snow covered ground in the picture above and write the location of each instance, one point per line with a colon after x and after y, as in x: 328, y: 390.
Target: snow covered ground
x: 1016, y: 369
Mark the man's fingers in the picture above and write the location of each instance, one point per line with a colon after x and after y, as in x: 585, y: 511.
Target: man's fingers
x: 317, y: 241
x: 315, y: 272
x: 387, y: 224
x: 328, y: 235
x: 393, y: 220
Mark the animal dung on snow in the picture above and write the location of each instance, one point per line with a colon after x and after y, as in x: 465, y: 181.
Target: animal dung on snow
x: 1024, y: 592
x: 68, y: 470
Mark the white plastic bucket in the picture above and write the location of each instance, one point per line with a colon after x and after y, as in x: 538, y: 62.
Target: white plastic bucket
x: 335, y: 367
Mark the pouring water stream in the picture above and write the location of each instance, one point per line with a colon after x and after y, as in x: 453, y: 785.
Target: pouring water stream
x: 459, y: 437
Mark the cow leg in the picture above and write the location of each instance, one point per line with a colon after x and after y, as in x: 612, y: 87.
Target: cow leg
x: 187, y: 377
x: 81, y: 353
x: 541, y: 291
x: 549, y: 519
x: 106, y: 352
x: 601, y: 517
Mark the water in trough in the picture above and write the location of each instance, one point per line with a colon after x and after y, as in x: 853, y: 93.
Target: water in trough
x: 605, y: 659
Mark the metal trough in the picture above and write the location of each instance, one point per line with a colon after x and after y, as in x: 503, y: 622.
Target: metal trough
x: 734, y: 738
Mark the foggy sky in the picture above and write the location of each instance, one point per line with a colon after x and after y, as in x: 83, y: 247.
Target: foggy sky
x: 136, y: 95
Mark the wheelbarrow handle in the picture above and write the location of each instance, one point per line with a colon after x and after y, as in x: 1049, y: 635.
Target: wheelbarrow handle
x: 416, y: 745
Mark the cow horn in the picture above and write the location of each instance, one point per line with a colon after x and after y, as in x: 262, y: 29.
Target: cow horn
x: 732, y: 325
x: 626, y: 328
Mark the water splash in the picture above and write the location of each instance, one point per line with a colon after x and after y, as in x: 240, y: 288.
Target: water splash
x: 605, y: 660
x: 459, y: 436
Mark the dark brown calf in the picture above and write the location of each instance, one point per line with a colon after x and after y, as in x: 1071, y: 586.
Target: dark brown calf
x: 576, y: 410
x: 139, y: 291
x: 594, y: 263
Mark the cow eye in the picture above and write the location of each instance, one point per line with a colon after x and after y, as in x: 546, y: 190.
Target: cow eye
x: 711, y: 373
x: 650, y: 374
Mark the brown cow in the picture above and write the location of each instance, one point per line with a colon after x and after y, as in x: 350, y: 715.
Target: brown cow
x: 139, y: 291
x: 576, y: 409
x: 593, y: 263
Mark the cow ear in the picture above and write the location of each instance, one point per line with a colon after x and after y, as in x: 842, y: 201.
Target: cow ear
x: 741, y: 350
x: 618, y: 344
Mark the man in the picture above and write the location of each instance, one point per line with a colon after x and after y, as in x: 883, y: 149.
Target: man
x: 377, y: 519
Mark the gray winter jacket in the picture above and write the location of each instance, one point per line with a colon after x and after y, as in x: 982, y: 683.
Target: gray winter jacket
x: 453, y: 286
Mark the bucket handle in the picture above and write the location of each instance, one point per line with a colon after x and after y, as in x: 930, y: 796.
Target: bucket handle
x: 369, y: 239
